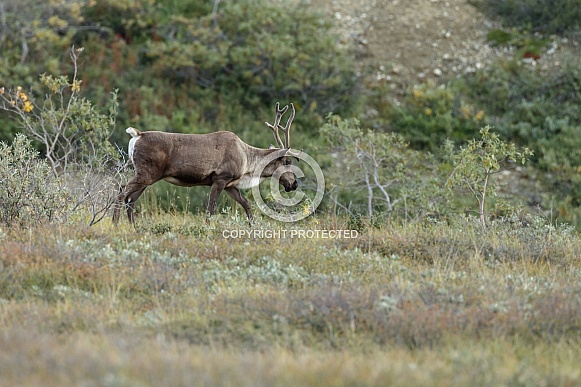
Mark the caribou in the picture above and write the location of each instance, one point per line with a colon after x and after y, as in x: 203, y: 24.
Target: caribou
x: 220, y: 160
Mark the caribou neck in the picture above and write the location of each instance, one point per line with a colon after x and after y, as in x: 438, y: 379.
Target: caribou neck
x: 255, y: 155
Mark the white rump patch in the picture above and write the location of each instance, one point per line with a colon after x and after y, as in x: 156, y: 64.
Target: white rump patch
x: 246, y: 182
x: 132, y: 146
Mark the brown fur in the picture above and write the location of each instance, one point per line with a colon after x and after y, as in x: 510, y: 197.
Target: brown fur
x: 220, y: 160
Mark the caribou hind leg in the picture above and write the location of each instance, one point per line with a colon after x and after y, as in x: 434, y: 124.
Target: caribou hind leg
x: 128, y: 195
x: 130, y: 203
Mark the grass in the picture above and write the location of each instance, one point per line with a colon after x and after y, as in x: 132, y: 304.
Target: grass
x: 177, y: 303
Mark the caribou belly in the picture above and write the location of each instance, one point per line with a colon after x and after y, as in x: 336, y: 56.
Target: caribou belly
x: 246, y: 182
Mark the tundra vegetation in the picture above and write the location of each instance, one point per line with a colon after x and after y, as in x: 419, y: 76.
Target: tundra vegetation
x: 449, y: 277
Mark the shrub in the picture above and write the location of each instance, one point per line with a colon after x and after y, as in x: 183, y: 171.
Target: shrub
x: 73, y: 136
x: 252, y: 53
x: 549, y: 16
x: 430, y: 114
x: 476, y: 163
x: 29, y: 191
x: 540, y: 110
x: 375, y: 170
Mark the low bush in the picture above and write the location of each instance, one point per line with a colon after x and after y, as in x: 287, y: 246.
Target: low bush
x: 429, y: 114
x: 548, y: 16
x: 375, y: 173
x: 540, y: 110
x: 29, y: 191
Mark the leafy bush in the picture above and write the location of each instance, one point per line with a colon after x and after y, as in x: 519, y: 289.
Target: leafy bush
x: 542, y: 111
x: 251, y: 54
x: 475, y: 164
x: 183, y: 66
x: 36, y: 34
x: 68, y: 128
x: 74, y: 138
x: 430, y: 114
x: 373, y: 171
x: 549, y: 16
x: 527, y: 45
x: 29, y: 191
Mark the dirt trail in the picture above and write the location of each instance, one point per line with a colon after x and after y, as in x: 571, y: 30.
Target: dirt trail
x: 410, y: 40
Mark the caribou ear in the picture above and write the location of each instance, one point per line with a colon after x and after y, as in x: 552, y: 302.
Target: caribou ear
x: 288, y: 152
x: 280, y: 153
x: 295, y: 154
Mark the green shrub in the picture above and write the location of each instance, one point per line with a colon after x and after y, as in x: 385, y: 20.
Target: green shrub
x: 73, y: 136
x: 476, y: 163
x: 375, y: 172
x: 542, y: 111
x: 29, y: 191
x: 180, y: 66
x: 527, y: 45
x: 514, y: 94
x: 549, y: 16
x: 430, y: 114
x: 252, y: 54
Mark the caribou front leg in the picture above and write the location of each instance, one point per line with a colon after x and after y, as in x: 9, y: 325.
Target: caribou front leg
x: 236, y: 195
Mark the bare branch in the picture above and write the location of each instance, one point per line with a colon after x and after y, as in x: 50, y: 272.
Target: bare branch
x: 215, y: 12
x: 24, y: 48
x: 337, y: 202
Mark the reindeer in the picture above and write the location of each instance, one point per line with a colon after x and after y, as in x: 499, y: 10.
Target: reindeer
x: 220, y: 160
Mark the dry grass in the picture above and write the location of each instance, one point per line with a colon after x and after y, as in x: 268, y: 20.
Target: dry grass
x: 179, y: 304
x: 130, y: 359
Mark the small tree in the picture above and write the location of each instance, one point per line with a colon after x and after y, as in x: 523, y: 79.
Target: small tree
x: 74, y: 137
x: 378, y: 164
x: 475, y: 163
x: 68, y: 127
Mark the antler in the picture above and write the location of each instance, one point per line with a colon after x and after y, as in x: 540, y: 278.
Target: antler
x: 276, y: 125
x: 286, y: 129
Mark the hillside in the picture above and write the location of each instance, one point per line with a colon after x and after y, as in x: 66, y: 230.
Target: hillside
x: 413, y: 40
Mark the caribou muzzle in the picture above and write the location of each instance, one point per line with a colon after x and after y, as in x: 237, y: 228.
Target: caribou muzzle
x: 292, y: 187
x: 288, y: 181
